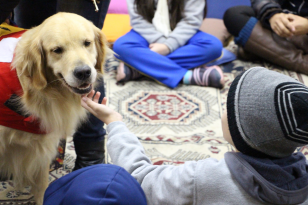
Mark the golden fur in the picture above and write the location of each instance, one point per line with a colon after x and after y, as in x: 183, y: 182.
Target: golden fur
x: 45, y: 60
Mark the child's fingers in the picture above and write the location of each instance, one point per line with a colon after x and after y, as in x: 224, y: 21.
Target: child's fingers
x: 290, y: 17
x: 85, y: 105
x: 90, y: 95
x: 288, y: 25
x: 104, y: 101
x: 276, y: 30
x: 96, y: 96
x: 94, y: 106
x: 285, y: 29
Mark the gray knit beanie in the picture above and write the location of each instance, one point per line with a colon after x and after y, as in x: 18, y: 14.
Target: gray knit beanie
x: 267, y: 113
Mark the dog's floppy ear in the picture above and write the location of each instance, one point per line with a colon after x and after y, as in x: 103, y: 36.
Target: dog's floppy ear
x: 102, y: 49
x: 29, y: 59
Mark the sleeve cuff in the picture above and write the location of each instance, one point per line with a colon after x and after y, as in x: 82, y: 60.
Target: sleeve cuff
x: 161, y: 40
x: 172, y: 44
x: 268, y: 15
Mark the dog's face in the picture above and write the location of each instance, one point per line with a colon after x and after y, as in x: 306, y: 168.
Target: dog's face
x: 65, y: 47
x: 71, y: 52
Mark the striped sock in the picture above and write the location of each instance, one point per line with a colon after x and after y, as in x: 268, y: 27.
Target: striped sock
x: 209, y: 76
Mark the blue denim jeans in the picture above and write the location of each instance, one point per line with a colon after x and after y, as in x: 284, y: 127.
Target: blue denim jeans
x: 29, y: 13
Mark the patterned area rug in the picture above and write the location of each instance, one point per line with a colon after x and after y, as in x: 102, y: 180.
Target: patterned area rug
x: 181, y: 124
x: 173, y: 125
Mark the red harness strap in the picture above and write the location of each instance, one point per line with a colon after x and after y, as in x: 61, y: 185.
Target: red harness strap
x: 10, y: 86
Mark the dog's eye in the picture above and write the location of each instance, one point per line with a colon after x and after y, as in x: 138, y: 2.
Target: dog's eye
x: 58, y: 50
x: 87, y: 43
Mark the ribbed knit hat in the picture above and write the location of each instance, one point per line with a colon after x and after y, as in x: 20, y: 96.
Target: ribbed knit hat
x: 267, y: 113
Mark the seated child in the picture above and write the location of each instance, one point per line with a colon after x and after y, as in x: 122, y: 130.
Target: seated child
x: 266, y: 120
x: 273, y: 30
x: 165, y: 44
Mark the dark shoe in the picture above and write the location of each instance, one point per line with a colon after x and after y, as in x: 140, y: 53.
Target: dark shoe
x: 89, y: 153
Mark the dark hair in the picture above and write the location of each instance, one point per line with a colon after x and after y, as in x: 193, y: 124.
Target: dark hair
x: 146, y: 9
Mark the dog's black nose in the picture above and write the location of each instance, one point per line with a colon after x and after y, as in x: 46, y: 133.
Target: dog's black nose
x: 82, y: 72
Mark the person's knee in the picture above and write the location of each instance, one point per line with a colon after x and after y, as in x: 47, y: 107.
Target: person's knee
x: 119, y: 45
x: 125, y: 44
x: 216, y: 47
x: 235, y: 18
x: 209, y: 45
x: 229, y: 15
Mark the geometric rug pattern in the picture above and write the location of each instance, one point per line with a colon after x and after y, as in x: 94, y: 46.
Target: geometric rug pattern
x: 173, y: 125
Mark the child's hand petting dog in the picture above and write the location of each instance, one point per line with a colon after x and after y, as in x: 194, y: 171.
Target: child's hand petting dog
x: 101, y: 111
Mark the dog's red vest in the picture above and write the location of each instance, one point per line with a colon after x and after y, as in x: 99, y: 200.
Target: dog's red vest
x: 10, y: 87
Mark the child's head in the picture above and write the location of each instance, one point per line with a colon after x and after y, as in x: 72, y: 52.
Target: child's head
x: 267, y: 114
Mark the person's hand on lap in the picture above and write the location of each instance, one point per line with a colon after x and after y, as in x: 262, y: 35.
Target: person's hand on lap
x: 281, y: 25
x: 159, y: 48
x: 299, y: 23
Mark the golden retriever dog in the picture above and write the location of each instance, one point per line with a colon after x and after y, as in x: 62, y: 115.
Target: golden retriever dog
x: 56, y: 62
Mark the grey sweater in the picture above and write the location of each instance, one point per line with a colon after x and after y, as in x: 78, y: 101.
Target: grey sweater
x: 205, y: 181
x: 185, y: 29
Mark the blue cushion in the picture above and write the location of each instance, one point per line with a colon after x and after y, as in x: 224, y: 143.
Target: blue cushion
x: 217, y: 8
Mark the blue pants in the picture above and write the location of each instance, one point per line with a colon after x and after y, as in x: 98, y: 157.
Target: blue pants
x: 98, y: 184
x: 134, y: 50
x: 29, y: 13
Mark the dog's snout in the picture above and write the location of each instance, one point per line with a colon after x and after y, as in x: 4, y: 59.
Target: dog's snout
x: 82, y: 72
